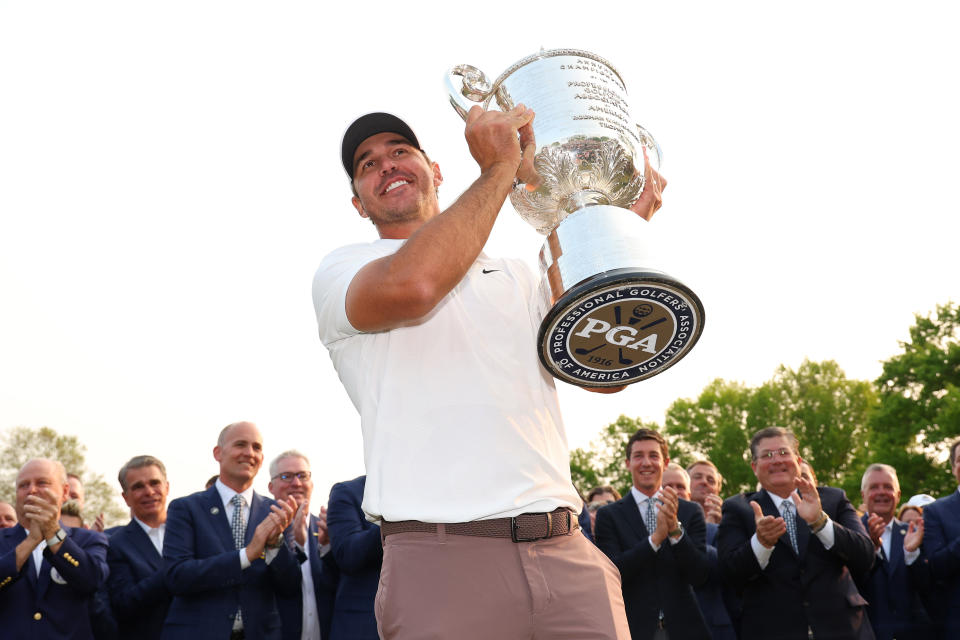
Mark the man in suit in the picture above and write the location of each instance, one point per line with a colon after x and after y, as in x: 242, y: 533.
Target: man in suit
x: 48, y: 574
x: 358, y: 553
x: 716, y: 601
x: 307, y: 615
x: 791, y: 554
x: 223, y: 550
x: 8, y: 515
x: 138, y: 595
x: 656, y: 540
x: 892, y: 587
x: 941, y: 520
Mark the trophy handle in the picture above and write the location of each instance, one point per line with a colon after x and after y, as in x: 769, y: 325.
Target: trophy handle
x: 471, y: 89
x: 653, y: 149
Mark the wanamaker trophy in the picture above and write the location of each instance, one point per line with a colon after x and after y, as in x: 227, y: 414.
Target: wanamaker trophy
x: 609, y: 317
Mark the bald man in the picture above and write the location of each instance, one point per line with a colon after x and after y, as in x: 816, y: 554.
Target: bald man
x: 224, y: 555
x: 8, y: 515
x: 49, y: 573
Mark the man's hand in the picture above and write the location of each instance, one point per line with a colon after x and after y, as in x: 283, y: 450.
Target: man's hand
x: 495, y: 138
x: 651, y: 199
x: 875, y: 527
x: 323, y: 535
x: 713, y: 508
x: 769, y: 529
x: 43, y: 512
x: 666, y: 515
x: 270, y: 530
x: 914, y: 537
x: 301, y: 520
x: 98, y: 524
x: 808, y: 502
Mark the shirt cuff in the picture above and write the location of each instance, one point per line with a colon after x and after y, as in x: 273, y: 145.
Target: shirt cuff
x: 678, y: 538
x: 909, y: 557
x: 244, y: 560
x: 324, y: 549
x: 655, y: 547
x: 269, y: 554
x: 827, y: 534
x: 761, y: 553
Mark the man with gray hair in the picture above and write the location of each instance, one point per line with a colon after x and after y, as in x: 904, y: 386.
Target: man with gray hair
x: 307, y: 614
x: 138, y: 595
x: 48, y: 574
x: 790, y: 549
x: 892, y: 586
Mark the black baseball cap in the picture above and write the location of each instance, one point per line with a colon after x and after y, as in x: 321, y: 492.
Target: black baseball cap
x: 370, y: 125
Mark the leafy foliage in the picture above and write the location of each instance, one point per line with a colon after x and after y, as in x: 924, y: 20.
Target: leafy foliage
x: 20, y: 444
x: 918, y: 416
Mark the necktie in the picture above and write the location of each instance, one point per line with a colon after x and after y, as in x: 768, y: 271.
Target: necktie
x: 238, y: 526
x: 790, y: 518
x: 650, y: 518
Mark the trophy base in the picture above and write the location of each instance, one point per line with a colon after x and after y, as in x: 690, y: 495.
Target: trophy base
x: 608, y: 319
x: 619, y: 327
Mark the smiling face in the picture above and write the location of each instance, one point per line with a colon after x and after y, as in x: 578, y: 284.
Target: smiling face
x: 777, y: 473
x: 146, y: 494
x: 704, y: 481
x: 646, y: 463
x: 395, y: 185
x: 881, y: 493
x: 287, y: 482
x: 240, y: 455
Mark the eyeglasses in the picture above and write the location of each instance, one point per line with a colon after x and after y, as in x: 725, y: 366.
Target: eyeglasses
x: 303, y: 476
x: 776, y: 453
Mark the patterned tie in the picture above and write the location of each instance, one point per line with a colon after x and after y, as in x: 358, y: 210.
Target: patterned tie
x: 238, y: 526
x: 650, y: 518
x: 790, y: 518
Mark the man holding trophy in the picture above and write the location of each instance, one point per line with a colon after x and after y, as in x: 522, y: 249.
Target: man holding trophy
x: 466, y: 456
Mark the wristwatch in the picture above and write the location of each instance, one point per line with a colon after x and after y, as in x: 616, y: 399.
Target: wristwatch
x: 676, y: 533
x: 57, y: 538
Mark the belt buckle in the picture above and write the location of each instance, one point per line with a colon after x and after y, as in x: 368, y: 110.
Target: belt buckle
x: 515, y: 527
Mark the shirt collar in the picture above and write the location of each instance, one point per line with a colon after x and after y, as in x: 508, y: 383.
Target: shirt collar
x: 226, y: 494
x: 777, y: 500
x: 640, y: 497
x: 147, y: 528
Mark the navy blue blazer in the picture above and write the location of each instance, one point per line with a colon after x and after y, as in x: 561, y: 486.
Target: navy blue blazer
x: 57, y: 604
x: 324, y: 573
x: 138, y: 596
x: 655, y: 581
x: 202, y: 571
x: 893, y: 591
x: 814, y: 588
x: 358, y: 553
x: 941, y: 544
x: 710, y: 595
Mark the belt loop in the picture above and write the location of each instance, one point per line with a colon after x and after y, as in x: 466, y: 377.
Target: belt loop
x: 441, y: 532
x: 549, y: 524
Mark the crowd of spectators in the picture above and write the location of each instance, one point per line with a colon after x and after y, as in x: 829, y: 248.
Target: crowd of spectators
x: 791, y: 560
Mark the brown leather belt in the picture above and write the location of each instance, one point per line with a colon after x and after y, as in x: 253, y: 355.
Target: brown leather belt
x: 525, y: 527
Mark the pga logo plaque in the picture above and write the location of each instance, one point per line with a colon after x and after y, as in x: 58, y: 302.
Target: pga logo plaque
x: 609, y: 317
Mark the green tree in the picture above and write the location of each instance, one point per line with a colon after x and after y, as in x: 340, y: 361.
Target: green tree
x: 603, y: 462
x: 714, y: 426
x: 918, y: 416
x: 829, y: 414
x: 20, y: 444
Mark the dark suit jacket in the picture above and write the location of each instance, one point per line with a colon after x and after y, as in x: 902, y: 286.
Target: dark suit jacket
x: 324, y: 573
x: 710, y: 595
x: 893, y: 591
x: 56, y: 604
x: 138, y: 595
x: 661, y: 580
x: 358, y: 552
x: 792, y: 593
x: 202, y: 571
x: 941, y: 544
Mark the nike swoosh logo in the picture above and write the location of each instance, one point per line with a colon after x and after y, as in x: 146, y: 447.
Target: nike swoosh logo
x: 490, y: 270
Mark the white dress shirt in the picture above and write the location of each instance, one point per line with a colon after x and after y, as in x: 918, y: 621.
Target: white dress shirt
x: 762, y: 553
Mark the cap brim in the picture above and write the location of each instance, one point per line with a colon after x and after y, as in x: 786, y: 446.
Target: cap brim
x: 370, y: 125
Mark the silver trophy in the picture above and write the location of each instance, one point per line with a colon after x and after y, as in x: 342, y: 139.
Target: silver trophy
x: 609, y: 318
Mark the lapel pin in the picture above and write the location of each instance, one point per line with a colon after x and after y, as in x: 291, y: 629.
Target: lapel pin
x: 214, y: 510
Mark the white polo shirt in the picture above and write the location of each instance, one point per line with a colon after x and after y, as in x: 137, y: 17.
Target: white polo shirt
x: 460, y: 422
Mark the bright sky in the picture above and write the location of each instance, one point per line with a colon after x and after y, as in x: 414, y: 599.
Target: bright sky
x: 170, y: 179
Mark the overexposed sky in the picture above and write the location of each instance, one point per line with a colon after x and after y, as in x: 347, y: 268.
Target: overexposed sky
x: 170, y: 179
